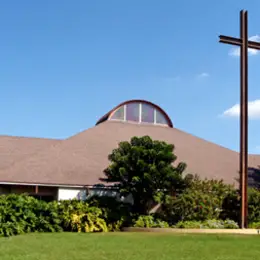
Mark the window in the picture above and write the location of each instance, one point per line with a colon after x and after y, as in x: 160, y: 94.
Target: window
x: 119, y: 114
x: 147, y: 113
x: 139, y: 112
x: 160, y: 118
x: 132, y: 112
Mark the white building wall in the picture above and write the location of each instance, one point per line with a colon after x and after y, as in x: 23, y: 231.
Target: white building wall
x: 73, y: 193
x: 69, y: 193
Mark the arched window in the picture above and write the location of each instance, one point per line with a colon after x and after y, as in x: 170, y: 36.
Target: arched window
x: 139, y: 112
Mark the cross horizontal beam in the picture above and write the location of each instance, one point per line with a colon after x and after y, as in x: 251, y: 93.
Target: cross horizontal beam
x: 238, y: 42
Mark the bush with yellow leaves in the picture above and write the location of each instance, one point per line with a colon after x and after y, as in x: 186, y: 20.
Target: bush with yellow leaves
x: 78, y: 216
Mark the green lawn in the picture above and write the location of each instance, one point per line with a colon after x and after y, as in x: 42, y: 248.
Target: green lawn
x: 129, y: 246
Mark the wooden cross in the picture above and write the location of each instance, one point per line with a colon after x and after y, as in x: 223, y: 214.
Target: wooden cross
x: 243, y: 162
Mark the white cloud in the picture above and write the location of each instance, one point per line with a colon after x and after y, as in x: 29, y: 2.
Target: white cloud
x: 236, y: 51
x: 203, y: 75
x: 253, y: 110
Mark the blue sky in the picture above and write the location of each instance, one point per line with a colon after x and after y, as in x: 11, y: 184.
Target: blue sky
x: 63, y: 64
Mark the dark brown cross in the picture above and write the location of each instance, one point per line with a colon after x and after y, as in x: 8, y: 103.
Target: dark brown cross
x: 243, y: 162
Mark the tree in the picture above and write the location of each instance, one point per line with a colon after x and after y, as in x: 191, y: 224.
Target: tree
x: 144, y: 168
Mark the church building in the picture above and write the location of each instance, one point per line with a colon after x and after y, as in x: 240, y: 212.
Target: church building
x: 66, y: 169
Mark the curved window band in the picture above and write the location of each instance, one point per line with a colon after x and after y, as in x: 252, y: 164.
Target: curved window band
x: 139, y: 113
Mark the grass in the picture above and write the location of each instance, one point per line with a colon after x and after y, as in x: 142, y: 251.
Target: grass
x: 129, y: 246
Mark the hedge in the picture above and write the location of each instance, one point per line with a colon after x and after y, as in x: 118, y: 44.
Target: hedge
x: 21, y: 214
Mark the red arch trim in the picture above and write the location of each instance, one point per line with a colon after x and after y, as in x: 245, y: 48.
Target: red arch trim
x: 107, y: 115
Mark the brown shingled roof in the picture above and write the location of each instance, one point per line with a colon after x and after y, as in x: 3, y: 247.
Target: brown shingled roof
x: 81, y: 159
x: 14, y: 149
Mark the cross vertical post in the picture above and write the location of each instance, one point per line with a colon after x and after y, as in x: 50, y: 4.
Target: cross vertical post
x: 243, y: 116
x: 243, y: 158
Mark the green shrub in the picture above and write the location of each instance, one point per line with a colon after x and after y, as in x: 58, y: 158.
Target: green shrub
x: 255, y: 225
x: 116, y: 214
x: 213, y: 224
x: 16, y: 215
x: 231, y: 206
x: 48, y: 219
x: 219, y: 224
x: 67, y: 208
x: 207, y: 224
x: 202, y: 200
x: 210, y: 200
x: 80, y: 217
x: 230, y: 224
x: 253, y: 205
x: 22, y: 214
x: 88, y: 222
x: 150, y: 222
x: 192, y: 206
x: 188, y: 224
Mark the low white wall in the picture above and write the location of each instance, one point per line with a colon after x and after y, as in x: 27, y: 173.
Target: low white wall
x: 70, y: 193
x: 81, y: 194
